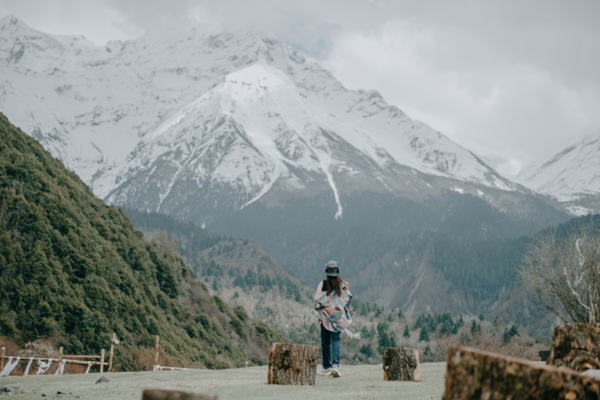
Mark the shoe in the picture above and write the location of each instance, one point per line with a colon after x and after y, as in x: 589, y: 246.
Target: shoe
x: 335, y: 373
x: 324, y: 372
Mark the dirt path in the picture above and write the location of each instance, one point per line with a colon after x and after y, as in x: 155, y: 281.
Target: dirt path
x: 357, y: 382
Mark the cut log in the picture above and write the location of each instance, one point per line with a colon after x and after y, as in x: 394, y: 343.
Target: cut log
x: 576, y: 346
x: 475, y: 375
x: 158, y: 394
x: 293, y: 364
x: 401, y: 365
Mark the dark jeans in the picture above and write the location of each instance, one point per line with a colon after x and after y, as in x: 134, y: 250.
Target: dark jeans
x: 330, y: 346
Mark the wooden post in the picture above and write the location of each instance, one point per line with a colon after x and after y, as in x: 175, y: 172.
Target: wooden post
x: 60, y: 358
x: 401, y: 365
x: 293, y: 364
x: 102, y: 361
x: 2, y: 359
x: 476, y: 375
x: 156, y: 354
x: 112, y: 349
x: 575, y: 346
x: 110, y: 357
x: 158, y: 394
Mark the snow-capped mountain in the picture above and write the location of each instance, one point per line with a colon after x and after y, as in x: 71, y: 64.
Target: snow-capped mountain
x: 572, y: 176
x: 197, y: 123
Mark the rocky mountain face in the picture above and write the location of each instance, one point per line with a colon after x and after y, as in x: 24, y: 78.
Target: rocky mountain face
x: 238, y: 132
x: 199, y: 123
x: 571, y: 176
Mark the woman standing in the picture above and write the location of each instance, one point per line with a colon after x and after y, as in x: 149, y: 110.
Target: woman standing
x: 332, y: 301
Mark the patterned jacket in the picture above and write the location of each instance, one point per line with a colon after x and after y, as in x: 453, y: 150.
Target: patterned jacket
x: 334, y: 311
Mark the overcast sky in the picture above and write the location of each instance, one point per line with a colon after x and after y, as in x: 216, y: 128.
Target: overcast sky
x: 513, y: 81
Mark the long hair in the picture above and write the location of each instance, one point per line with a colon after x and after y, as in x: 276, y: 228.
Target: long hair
x: 334, y: 284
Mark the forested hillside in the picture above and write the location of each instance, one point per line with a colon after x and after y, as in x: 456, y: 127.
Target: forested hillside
x: 75, y: 270
x: 235, y: 268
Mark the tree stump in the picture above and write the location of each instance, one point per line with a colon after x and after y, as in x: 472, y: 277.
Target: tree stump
x: 159, y: 394
x: 576, y: 346
x: 401, y: 365
x: 476, y: 375
x: 293, y: 364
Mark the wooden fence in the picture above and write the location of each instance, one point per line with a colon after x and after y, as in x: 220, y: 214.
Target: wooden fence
x: 44, y: 363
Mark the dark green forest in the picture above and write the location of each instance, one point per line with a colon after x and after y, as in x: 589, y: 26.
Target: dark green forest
x: 74, y: 270
x: 190, y: 240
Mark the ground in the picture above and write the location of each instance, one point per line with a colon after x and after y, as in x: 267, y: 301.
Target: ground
x: 357, y: 382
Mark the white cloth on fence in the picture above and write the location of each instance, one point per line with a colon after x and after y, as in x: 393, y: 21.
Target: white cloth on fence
x: 162, y: 368
x: 43, y: 367
x: 8, y: 368
x: 88, y: 368
x: 28, y: 366
x: 61, y: 368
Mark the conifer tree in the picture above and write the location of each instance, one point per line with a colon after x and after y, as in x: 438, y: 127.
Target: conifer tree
x: 424, y: 335
x: 406, y: 333
x: 400, y: 314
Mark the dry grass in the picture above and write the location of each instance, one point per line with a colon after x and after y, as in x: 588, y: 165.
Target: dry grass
x: 484, y: 341
x: 143, y: 359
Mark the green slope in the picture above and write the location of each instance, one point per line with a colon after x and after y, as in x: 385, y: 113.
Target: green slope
x: 74, y: 270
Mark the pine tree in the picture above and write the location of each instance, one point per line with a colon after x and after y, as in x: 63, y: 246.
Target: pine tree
x: 400, y: 314
x: 475, y: 327
x: 393, y: 342
x: 446, y: 328
x: 383, y: 341
x: 406, y: 332
x: 506, y: 336
x: 424, y: 335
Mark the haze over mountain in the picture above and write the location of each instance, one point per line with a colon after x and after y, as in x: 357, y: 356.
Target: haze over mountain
x: 572, y: 176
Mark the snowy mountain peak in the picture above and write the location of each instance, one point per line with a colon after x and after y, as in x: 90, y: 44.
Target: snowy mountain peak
x: 191, y: 111
x: 571, y: 175
x: 11, y: 25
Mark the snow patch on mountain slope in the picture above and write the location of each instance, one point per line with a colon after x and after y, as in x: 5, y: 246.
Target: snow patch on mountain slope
x: 570, y: 174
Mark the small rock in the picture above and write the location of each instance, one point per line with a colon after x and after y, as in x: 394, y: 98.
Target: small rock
x: 105, y: 379
x: 10, y: 389
x: 592, y: 373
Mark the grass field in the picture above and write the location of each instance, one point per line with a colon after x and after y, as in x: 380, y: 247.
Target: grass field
x: 357, y: 382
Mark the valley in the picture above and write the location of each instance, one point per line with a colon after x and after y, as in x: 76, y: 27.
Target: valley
x: 248, y: 166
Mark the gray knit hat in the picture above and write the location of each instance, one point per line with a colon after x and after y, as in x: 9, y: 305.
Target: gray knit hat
x: 332, y: 268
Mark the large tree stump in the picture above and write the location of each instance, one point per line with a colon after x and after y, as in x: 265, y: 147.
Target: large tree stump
x: 576, y: 346
x: 476, y: 375
x: 401, y: 365
x: 293, y: 364
x: 159, y: 394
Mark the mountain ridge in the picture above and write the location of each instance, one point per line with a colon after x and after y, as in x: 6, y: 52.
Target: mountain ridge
x: 569, y: 175
x: 302, y: 130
